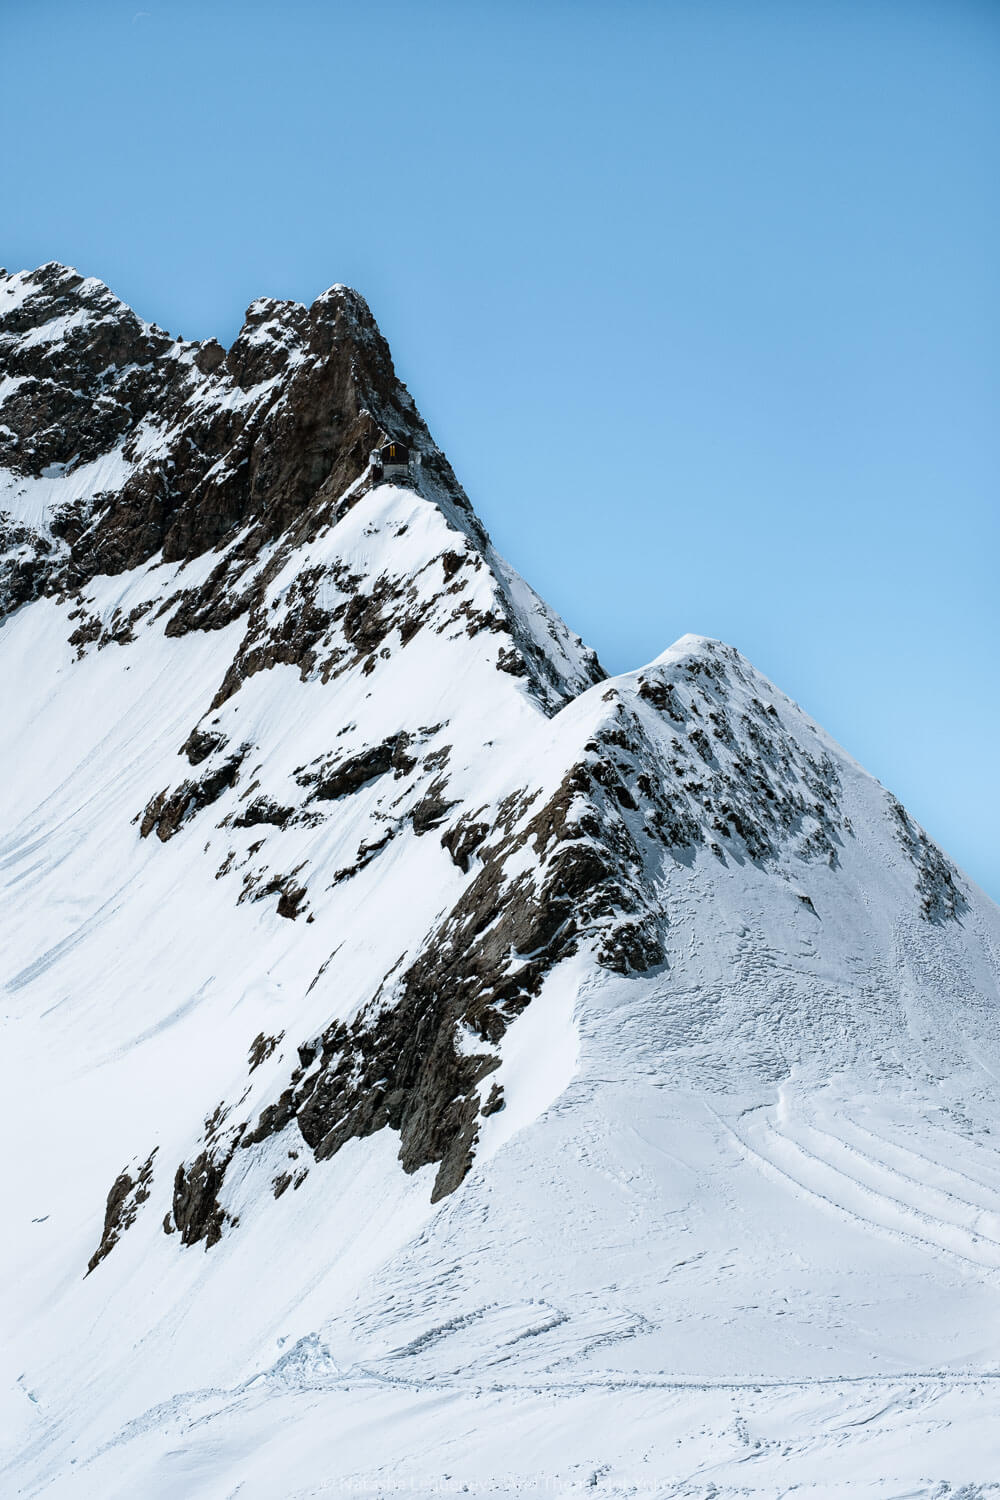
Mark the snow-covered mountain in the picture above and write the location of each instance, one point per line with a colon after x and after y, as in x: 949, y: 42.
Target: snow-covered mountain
x: 435, y: 1066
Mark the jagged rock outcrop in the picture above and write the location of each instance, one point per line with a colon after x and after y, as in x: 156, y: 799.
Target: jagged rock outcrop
x: 122, y: 445
x: 126, y: 1197
x: 206, y: 441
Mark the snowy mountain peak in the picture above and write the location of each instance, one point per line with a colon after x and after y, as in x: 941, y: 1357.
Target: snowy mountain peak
x: 373, y: 940
x: 124, y: 446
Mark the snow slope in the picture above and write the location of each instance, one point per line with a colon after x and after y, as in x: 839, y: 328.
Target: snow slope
x: 437, y: 1067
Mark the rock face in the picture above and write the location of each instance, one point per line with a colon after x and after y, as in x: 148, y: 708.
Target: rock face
x: 325, y: 828
x: 177, y: 446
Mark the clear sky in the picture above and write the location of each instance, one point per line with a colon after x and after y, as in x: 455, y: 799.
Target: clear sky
x: 701, y: 298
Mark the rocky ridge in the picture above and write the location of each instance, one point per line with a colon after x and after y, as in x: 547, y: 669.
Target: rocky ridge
x: 232, y: 495
x: 121, y: 445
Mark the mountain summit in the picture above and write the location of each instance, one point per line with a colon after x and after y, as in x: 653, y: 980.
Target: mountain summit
x: 438, y: 1063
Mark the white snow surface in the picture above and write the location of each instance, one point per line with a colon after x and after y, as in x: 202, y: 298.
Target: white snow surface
x: 30, y: 501
x: 736, y: 1231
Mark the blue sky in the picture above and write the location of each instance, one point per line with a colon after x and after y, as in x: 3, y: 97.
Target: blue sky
x: 700, y: 298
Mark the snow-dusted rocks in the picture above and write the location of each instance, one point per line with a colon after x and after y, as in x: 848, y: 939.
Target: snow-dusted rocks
x: 605, y: 1068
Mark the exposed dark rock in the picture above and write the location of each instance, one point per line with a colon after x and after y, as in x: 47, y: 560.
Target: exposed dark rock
x: 201, y: 743
x: 463, y: 839
x: 258, y: 885
x: 198, y: 1214
x: 273, y: 1118
x: 291, y: 899
x: 509, y: 659
x: 85, y: 634
x: 661, y: 695
x: 758, y: 788
x: 209, y: 357
x: 431, y: 811
x: 941, y: 899
x: 78, y: 394
x: 342, y: 778
x: 495, y: 1100
x: 118, y: 630
x: 127, y: 1195
x: 261, y: 1048
x: 168, y: 811
x: 367, y: 851
x: 263, y: 810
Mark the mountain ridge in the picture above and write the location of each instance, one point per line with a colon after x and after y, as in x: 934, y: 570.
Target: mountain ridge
x: 363, y: 933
